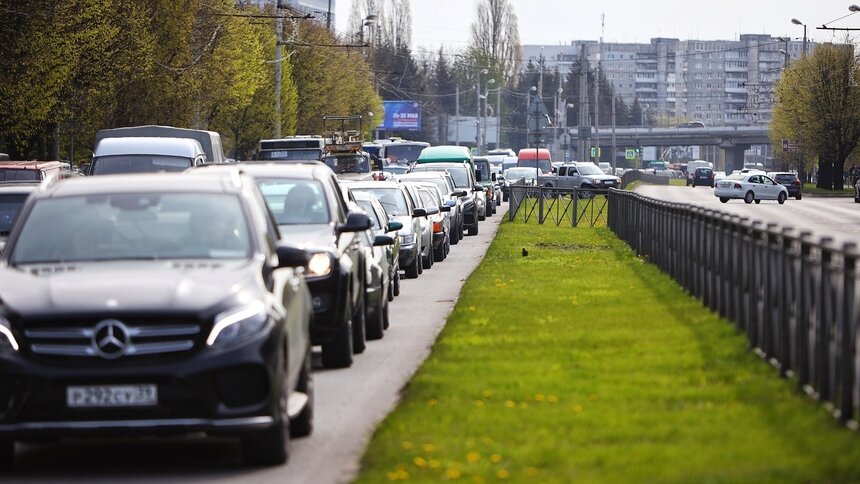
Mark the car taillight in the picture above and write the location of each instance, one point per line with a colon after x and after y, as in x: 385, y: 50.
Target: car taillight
x: 738, y: 186
x: 712, y: 175
x: 796, y: 182
x: 437, y: 227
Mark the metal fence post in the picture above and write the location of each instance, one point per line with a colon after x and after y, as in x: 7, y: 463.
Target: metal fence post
x: 786, y: 301
x: 847, y: 332
x: 804, y: 295
x: 822, y: 338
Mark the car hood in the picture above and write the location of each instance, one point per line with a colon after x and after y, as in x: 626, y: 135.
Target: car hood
x: 318, y: 235
x: 602, y: 177
x: 180, y: 285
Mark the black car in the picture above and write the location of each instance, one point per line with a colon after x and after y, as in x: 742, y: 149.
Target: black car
x: 153, y: 304
x: 12, y: 198
x: 790, y: 181
x: 703, y: 176
x: 311, y: 213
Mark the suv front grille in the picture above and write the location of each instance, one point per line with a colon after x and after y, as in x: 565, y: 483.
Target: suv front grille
x: 112, y: 339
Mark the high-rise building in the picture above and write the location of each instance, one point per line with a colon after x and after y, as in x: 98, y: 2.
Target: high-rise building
x: 717, y: 82
x: 322, y: 10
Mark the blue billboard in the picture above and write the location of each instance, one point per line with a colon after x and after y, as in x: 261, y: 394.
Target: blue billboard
x: 401, y: 116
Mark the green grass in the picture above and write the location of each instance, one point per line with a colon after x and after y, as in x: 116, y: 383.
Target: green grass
x: 678, y: 182
x: 582, y: 363
x: 813, y: 190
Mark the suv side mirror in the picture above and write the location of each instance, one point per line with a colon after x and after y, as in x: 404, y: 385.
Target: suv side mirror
x: 477, y: 188
x: 383, y: 240
x: 459, y: 193
x: 355, y: 222
x: 445, y: 208
x: 419, y: 212
x: 394, y: 226
x: 289, y: 256
x: 432, y: 210
x: 493, y: 177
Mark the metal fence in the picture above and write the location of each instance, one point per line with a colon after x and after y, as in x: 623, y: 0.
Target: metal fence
x: 573, y: 206
x: 795, y: 297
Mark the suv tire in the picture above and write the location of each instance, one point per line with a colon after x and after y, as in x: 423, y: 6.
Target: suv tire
x: 412, y: 270
x: 376, y: 324
x: 270, y: 447
x: 359, y: 328
x: 302, y: 424
x: 7, y: 454
x: 473, y: 230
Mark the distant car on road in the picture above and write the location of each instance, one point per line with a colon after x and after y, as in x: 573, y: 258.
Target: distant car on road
x: 750, y: 187
x: 791, y: 181
x: 703, y: 176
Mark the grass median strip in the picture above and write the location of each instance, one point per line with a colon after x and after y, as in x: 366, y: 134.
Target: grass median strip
x: 581, y: 362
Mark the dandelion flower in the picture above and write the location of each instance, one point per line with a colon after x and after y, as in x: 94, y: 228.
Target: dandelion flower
x: 453, y: 473
x: 495, y: 458
x: 502, y: 474
x: 420, y: 462
x: 406, y: 445
x: 473, y: 457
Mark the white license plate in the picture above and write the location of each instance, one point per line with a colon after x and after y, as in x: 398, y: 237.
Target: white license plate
x: 112, y: 396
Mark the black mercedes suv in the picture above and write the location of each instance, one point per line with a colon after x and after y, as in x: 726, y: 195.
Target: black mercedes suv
x: 153, y: 304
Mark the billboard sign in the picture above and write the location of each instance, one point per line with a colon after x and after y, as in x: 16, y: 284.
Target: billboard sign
x: 401, y: 116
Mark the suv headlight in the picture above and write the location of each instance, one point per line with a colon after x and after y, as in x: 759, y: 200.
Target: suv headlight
x: 320, y: 265
x: 407, y: 238
x: 237, y: 324
x: 7, y: 339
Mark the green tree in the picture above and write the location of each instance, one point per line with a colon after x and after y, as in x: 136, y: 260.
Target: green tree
x: 818, y: 105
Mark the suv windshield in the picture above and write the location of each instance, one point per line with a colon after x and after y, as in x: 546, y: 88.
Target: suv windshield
x: 112, y: 165
x: 295, y: 202
x: 291, y: 155
x: 10, y: 206
x: 403, y: 152
x: 348, y: 164
x: 133, y: 226
x: 392, y: 200
x: 14, y: 174
x: 439, y: 182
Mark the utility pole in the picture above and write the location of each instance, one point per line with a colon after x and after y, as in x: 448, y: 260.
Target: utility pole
x: 279, y: 32
x: 478, y: 112
x: 613, y: 134
x: 499, y: 115
x: 328, y: 16
x: 457, y: 113
x: 583, y: 139
x: 597, y: 92
x: 540, y: 75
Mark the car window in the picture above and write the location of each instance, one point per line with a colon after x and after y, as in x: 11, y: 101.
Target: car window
x: 427, y: 198
x: 295, y: 202
x: 367, y: 206
x: 133, y: 226
x: 14, y: 174
x: 392, y: 200
x: 10, y: 206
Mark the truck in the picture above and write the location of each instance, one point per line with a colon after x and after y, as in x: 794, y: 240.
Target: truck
x: 210, y: 141
x: 292, y: 148
x: 344, y: 154
x: 583, y: 175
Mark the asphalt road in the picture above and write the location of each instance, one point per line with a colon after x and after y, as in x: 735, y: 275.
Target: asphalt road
x: 835, y: 217
x: 349, y: 404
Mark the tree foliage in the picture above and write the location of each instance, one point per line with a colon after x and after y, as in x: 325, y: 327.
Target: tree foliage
x: 495, y: 42
x: 818, y: 105
x: 70, y: 68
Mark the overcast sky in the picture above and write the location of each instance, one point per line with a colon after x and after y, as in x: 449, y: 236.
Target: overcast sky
x: 436, y: 22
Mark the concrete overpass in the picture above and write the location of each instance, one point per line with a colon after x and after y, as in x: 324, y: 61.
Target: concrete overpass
x: 733, y: 140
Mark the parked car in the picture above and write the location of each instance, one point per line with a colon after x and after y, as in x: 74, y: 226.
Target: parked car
x: 31, y: 171
x: 486, y: 178
x: 311, y: 212
x: 435, y: 155
x: 12, y: 198
x: 450, y: 195
x: 400, y: 208
x: 377, y: 277
x: 693, y: 165
x: 750, y: 187
x: 154, y: 305
x: 703, y: 176
x: 440, y: 222
x: 427, y: 258
x: 383, y: 226
x: 464, y: 181
x: 790, y: 181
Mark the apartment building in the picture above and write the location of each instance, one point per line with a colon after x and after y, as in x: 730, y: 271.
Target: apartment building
x: 717, y: 82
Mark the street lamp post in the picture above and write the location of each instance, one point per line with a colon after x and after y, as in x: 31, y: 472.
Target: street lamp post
x: 478, y: 109
x: 798, y: 22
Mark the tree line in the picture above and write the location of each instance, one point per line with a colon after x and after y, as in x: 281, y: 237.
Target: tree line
x: 70, y: 68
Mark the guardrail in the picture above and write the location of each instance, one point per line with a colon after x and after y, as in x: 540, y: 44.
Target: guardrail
x: 636, y: 175
x: 572, y: 206
x: 796, y: 298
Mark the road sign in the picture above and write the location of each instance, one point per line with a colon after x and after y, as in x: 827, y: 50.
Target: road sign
x: 538, y: 116
x: 596, y: 152
x: 790, y: 145
x: 630, y: 154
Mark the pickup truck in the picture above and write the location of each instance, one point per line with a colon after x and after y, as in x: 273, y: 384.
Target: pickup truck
x: 580, y: 175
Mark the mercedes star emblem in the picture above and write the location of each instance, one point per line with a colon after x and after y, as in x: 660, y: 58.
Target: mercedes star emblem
x: 111, y: 339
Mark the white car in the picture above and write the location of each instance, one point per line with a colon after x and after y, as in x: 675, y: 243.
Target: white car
x: 750, y: 187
